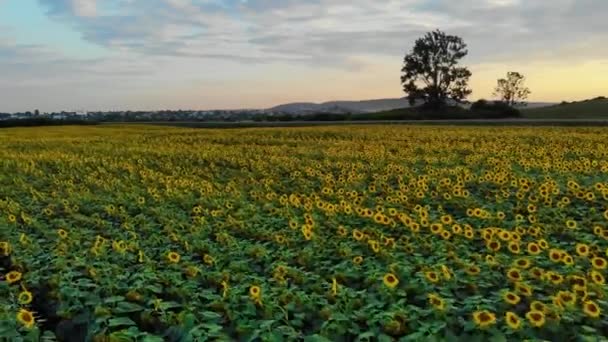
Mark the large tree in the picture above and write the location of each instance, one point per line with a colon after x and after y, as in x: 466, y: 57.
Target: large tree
x: 431, y: 73
x: 511, y: 90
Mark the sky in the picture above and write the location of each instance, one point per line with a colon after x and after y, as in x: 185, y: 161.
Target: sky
x: 209, y: 54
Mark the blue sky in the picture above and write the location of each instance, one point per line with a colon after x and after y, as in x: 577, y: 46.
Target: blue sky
x: 160, y: 54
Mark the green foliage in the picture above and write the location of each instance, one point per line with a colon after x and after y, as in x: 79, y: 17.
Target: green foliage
x: 596, y: 108
x: 431, y: 73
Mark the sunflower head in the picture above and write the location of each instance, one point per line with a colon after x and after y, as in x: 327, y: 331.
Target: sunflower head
x: 599, y: 263
x: 5, y: 248
x: 173, y: 257
x: 62, y: 233
x: 514, y: 275
x: 522, y: 263
x: 511, y: 297
x: 390, y: 280
x: 431, y: 276
x: 255, y: 292
x: 26, y: 318
x: 567, y: 298
x: 536, y: 318
x: 358, y: 260
x: 533, y: 248
x: 512, y: 320
x: 523, y: 289
x: 484, y: 318
x: 436, y: 301
x: 591, y: 309
x: 538, y: 306
x: 25, y: 297
x: 13, y: 277
x: 582, y: 249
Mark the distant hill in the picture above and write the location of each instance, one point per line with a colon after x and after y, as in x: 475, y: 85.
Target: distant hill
x: 366, y: 106
x: 358, y: 107
x: 596, y: 108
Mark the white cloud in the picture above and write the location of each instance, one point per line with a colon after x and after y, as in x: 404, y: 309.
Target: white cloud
x: 84, y: 8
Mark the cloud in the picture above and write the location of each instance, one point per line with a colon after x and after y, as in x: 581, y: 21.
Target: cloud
x: 328, y: 32
x: 151, y: 42
x: 84, y: 8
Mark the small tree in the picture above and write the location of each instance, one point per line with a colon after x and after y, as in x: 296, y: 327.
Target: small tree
x: 431, y: 73
x: 511, y: 90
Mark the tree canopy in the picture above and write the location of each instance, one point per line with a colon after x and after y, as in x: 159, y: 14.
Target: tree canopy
x: 512, y: 90
x: 431, y: 73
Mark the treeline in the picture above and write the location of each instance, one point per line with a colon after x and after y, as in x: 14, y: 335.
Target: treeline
x: 34, y: 122
x: 481, y: 109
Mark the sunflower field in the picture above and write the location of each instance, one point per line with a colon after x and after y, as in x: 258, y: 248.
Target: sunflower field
x: 358, y: 233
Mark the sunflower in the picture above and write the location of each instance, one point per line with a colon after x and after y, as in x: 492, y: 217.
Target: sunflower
x: 484, y: 318
x: 571, y: 224
x: 513, y: 321
x: 5, y: 248
x: 307, y: 234
x: 536, y: 272
x: 26, y: 318
x: 510, y: 297
x: 13, y: 277
x: 522, y: 263
x: 536, y: 318
x: 173, y: 257
x: 504, y: 235
x: 25, y: 297
x: 493, y: 245
x: 536, y: 305
x: 534, y: 248
x: 567, y: 298
x: 543, y: 243
x: 469, y: 234
x: 523, y: 289
x: 436, y: 301
x: 514, y: 275
x: 358, y: 260
x: 490, y: 260
x: 191, y: 271
x: 447, y: 273
x: 390, y: 280
x: 599, y: 263
x: 597, y: 277
x: 597, y: 230
x: 577, y: 281
x: 555, y: 255
x: 255, y: 292
x: 473, y: 270
x: 62, y: 233
x: 456, y: 229
x: 436, y: 228
x: 554, y: 277
x: 591, y: 309
x: 357, y: 234
x: 514, y: 247
x: 582, y: 249
x: 431, y: 276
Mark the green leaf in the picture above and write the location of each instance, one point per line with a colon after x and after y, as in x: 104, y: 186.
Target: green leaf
x: 316, y: 338
x: 211, y: 315
x: 114, y: 299
x: 126, y: 307
x: 152, y: 338
x: 120, y: 321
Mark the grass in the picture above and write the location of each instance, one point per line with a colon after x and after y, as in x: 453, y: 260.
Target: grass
x: 589, y: 109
